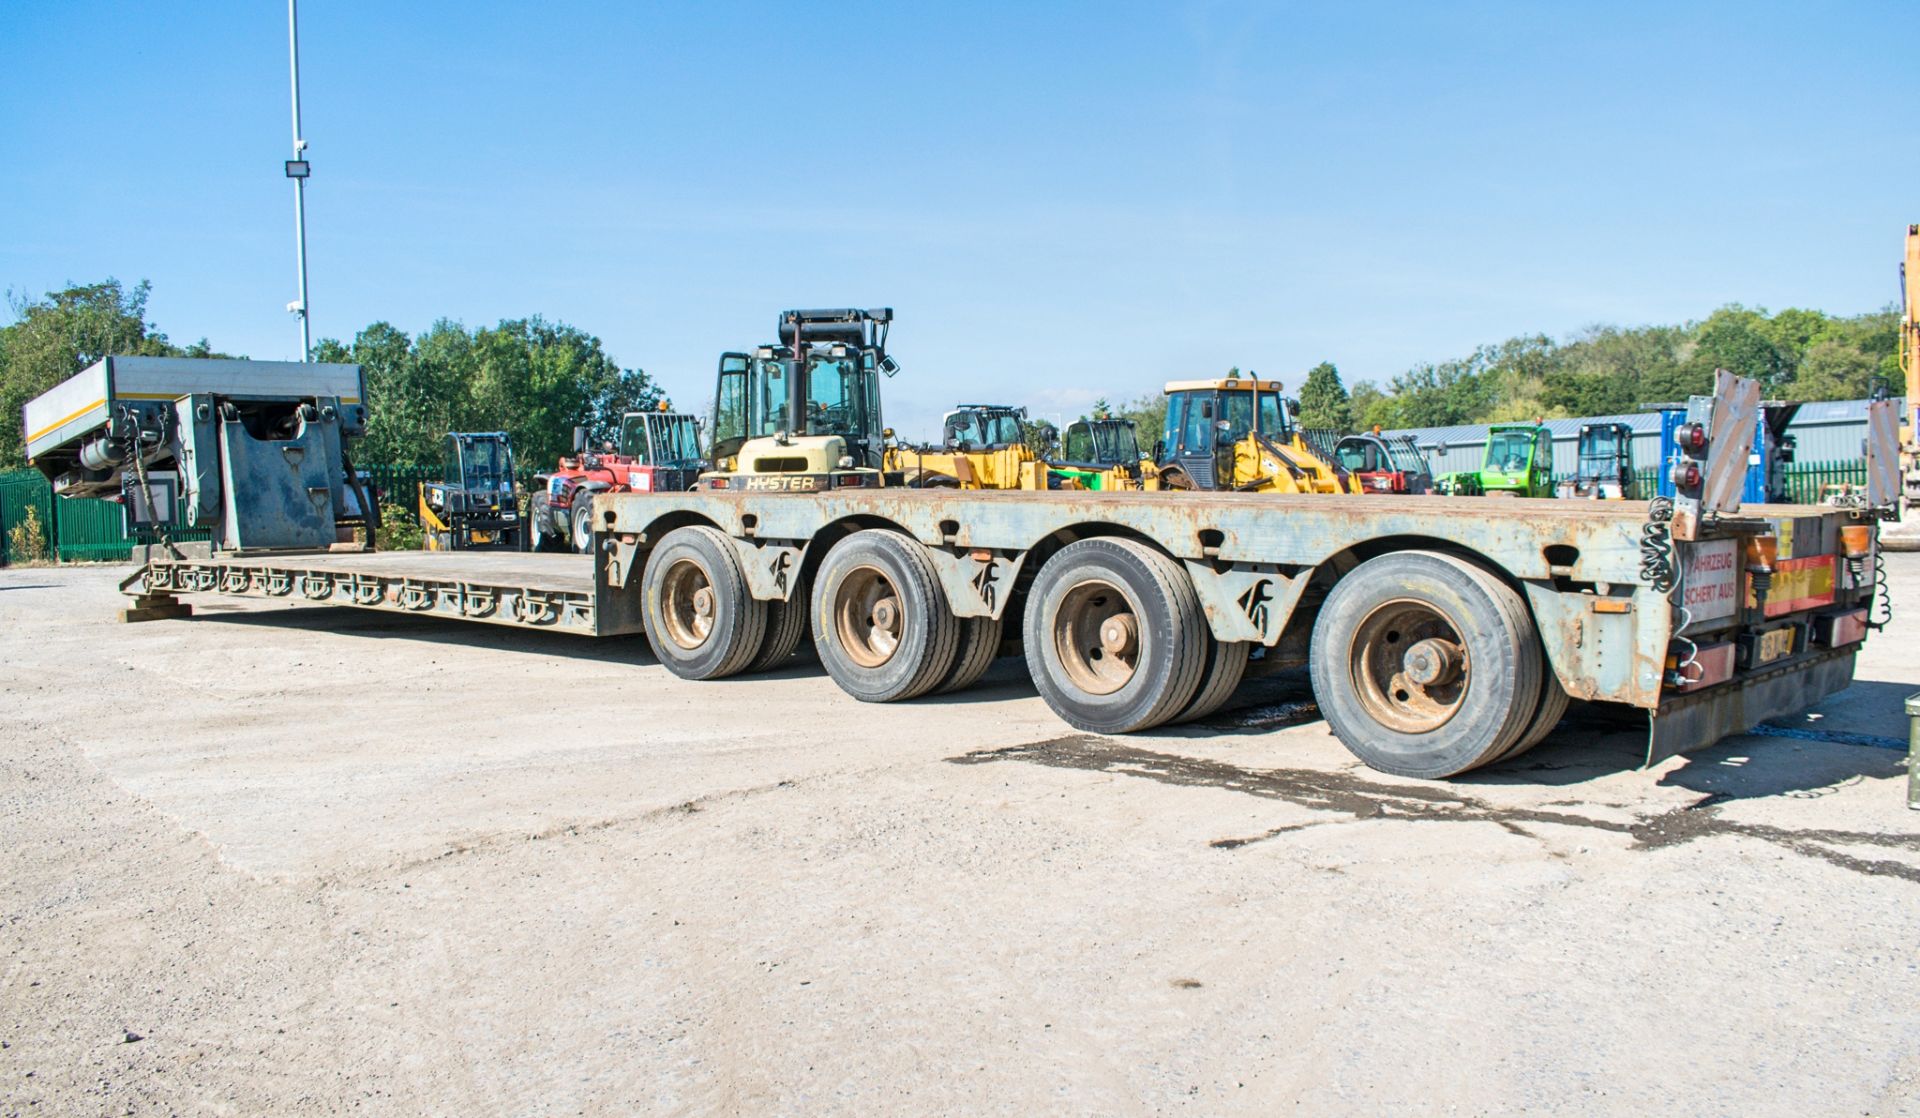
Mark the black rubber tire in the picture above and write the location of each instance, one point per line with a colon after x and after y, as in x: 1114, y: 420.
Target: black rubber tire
x: 537, y: 516
x: 929, y: 632
x: 786, y: 625
x: 1226, y: 667
x: 739, y: 622
x: 979, y: 643
x: 1553, y: 707
x: 1171, y: 629
x: 1502, y: 649
x: 580, y: 525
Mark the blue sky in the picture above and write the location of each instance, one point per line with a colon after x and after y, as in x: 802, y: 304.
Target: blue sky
x: 1059, y: 200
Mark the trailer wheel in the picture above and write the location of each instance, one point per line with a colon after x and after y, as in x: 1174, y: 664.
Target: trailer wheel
x: 1226, y: 667
x: 880, y: 620
x: 582, y: 523
x: 1114, y: 635
x: 786, y: 624
x: 701, y: 621
x: 1425, y: 665
x: 979, y: 642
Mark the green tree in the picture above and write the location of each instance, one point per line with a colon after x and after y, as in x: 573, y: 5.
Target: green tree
x: 1735, y: 339
x: 1371, y: 407
x: 61, y: 333
x: 1324, y: 403
x: 1833, y: 370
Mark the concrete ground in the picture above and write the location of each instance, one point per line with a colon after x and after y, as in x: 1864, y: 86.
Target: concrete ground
x: 304, y: 860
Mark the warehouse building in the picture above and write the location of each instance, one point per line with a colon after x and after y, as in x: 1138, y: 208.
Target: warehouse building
x: 1828, y: 431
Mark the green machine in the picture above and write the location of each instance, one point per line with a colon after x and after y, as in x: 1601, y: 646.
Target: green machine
x: 1518, y: 462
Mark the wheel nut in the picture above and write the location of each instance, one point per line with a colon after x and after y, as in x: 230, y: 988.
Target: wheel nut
x: 1431, y: 662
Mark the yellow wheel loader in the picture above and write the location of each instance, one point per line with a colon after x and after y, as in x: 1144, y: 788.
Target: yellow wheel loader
x: 1236, y: 434
x: 982, y: 446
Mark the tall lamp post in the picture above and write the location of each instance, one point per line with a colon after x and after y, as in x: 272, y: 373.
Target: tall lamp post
x: 298, y: 169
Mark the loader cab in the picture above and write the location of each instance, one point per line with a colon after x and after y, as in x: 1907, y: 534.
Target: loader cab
x: 668, y: 440
x: 1604, y: 467
x: 971, y: 428
x: 479, y: 464
x: 474, y: 505
x: 840, y: 397
x: 1206, y: 419
x: 1101, y: 442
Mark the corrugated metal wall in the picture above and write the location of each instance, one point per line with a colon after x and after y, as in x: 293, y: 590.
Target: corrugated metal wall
x: 1828, y: 431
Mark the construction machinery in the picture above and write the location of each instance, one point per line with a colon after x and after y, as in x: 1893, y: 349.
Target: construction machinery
x: 1518, y: 462
x: 803, y: 414
x: 475, y: 505
x: 1378, y: 463
x: 253, y: 451
x: 1438, y: 636
x: 982, y: 446
x: 1910, y: 370
x: 1102, y: 454
x: 1604, y: 470
x: 1236, y: 434
x: 656, y: 452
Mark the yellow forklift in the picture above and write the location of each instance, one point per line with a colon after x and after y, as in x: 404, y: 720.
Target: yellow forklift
x: 476, y: 505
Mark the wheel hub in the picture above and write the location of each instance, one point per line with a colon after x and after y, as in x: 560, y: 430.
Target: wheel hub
x: 867, y: 617
x: 1410, y: 666
x: 688, y: 604
x: 1433, y: 662
x: 1096, y: 635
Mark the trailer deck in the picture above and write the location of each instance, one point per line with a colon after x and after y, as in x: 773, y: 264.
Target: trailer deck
x: 543, y: 591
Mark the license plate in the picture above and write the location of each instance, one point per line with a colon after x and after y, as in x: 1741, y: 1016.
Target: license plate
x: 1774, y: 645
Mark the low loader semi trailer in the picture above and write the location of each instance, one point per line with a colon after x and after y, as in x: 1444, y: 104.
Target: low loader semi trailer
x: 1438, y: 636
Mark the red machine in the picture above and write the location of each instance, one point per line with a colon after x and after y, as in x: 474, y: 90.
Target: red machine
x: 1384, y: 463
x: 658, y: 452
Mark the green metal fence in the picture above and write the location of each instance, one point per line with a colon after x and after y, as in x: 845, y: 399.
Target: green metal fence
x: 72, y: 529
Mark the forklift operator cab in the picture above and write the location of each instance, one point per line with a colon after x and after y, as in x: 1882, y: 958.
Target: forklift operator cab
x: 479, y: 463
x: 842, y: 399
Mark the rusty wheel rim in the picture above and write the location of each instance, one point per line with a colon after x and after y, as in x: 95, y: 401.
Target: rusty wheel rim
x: 1410, y: 666
x: 867, y: 616
x: 687, y: 599
x: 1096, y: 634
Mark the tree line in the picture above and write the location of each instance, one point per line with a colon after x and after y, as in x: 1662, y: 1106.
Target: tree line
x: 1604, y: 370
x: 530, y: 377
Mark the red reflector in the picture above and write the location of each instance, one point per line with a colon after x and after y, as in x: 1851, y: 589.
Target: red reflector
x: 854, y: 482
x: 1835, y: 630
x: 718, y: 483
x: 1712, y: 663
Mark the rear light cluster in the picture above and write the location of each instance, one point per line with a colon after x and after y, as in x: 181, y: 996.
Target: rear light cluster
x: 1691, y: 441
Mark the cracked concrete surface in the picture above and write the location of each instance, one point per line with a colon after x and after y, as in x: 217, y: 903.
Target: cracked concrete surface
x: 316, y: 859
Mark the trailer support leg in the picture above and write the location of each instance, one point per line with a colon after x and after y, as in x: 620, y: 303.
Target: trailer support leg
x: 156, y: 607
